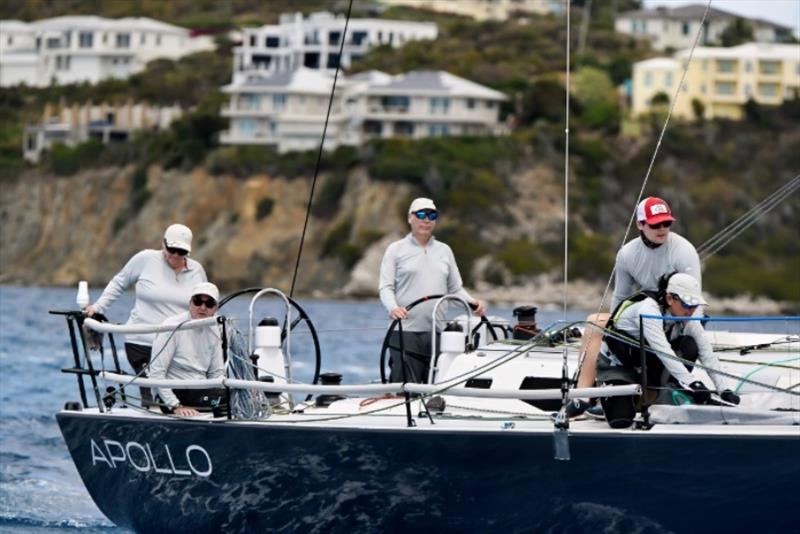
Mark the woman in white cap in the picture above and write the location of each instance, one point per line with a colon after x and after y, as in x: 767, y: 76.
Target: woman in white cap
x: 665, y: 340
x: 163, y: 281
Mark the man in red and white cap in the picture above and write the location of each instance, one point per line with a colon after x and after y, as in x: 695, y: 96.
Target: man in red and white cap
x: 640, y: 265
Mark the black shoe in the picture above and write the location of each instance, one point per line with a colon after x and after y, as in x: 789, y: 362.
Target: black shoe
x: 576, y: 407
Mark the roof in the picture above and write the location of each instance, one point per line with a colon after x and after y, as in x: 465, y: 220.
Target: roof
x: 302, y: 80
x: 436, y: 82
x: 94, y: 22
x: 694, y: 12
x: 744, y: 51
x: 658, y: 63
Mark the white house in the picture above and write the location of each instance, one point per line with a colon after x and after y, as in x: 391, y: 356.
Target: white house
x: 74, y: 49
x: 676, y: 28
x: 287, y: 109
x: 314, y: 42
x: 484, y: 9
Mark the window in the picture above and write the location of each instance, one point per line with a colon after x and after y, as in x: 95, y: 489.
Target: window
x: 686, y: 28
x: 359, y: 37
x: 668, y: 79
x: 158, y: 39
x: 333, y: 61
x: 272, y: 41
x: 769, y: 90
x: 247, y: 127
x: 748, y: 66
x: 252, y: 40
x: 470, y: 103
x: 249, y: 101
x: 395, y: 103
x: 725, y: 65
x: 279, y: 102
x: 403, y: 129
x: 85, y: 39
x: 10, y: 40
x: 53, y: 42
x: 748, y: 90
x: 333, y: 37
x: 105, y: 38
x: 439, y: 105
x: 67, y: 39
x: 648, y: 79
x: 438, y: 130
x: 142, y: 39
x: 123, y: 40
x: 724, y: 88
x: 62, y: 62
x: 769, y: 67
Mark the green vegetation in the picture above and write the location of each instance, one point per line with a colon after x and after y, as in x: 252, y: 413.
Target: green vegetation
x: 264, y: 207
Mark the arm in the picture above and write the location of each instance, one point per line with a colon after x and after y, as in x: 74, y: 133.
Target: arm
x: 657, y: 339
x: 624, y: 284
x: 386, y: 285
x: 162, y: 354
x: 122, y: 281
x: 216, y: 367
x: 706, y: 355
x: 455, y: 285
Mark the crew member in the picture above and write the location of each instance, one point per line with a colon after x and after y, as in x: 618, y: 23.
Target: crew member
x: 414, y: 267
x: 666, y: 341
x: 190, y: 354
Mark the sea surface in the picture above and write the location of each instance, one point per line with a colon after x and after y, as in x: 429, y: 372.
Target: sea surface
x: 40, y: 490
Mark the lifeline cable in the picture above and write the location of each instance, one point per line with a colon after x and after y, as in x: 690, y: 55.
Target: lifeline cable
x: 321, y: 146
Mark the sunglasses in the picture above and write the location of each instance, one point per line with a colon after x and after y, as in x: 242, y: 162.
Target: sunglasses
x: 665, y: 224
x: 173, y: 250
x: 425, y: 214
x: 684, y: 304
x: 208, y: 302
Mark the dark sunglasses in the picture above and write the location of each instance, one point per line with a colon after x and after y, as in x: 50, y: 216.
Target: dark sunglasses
x: 683, y: 304
x: 173, y: 250
x: 425, y: 214
x: 199, y: 300
x: 665, y: 224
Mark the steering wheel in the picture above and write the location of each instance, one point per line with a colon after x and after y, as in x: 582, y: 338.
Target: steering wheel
x: 400, y: 348
x: 302, y: 317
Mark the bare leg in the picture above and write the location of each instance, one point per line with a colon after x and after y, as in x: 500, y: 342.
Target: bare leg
x: 590, y: 348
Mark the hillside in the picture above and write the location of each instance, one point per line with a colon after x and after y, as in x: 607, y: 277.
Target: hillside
x: 501, y: 198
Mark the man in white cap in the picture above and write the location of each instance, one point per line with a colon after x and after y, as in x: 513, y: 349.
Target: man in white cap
x: 640, y: 265
x: 666, y: 341
x: 414, y: 267
x: 190, y: 354
x: 163, y: 280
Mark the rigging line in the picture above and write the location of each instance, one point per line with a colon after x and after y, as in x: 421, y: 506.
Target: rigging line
x: 716, y: 243
x: 776, y: 196
x: 652, y: 162
x: 321, y: 146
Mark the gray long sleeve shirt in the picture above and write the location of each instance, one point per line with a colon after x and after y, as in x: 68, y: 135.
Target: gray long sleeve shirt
x: 160, y: 293
x: 655, y: 334
x: 410, y: 271
x: 639, y: 267
x: 186, y: 355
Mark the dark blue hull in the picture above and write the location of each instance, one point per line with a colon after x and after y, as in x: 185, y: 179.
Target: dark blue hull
x: 188, y: 476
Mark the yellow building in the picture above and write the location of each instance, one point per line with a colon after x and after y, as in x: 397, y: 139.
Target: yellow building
x: 722, y: 79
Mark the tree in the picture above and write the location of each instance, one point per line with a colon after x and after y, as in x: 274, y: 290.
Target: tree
x: 660, y: 99
x: 737, y: 32
x: 699, y: 109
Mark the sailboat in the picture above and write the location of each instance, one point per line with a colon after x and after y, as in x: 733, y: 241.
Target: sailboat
x: 475, y: 448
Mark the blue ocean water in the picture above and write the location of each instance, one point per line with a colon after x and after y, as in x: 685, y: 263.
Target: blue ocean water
x: 40, y: 490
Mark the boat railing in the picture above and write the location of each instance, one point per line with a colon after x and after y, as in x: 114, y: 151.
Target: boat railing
x: 433, y: 368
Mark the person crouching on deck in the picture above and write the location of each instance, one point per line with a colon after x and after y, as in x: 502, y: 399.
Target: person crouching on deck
x: 190, y: 355
x: 671, y: 347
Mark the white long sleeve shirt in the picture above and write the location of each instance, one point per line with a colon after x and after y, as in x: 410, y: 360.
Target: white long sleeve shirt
x: 160, y: 293
x: 639, y: 267
x: 656, y: 337
x: 186, y: 355
x: 410, y: 271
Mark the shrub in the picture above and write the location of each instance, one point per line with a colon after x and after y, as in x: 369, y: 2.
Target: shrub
x: 522, y: 257
x: 326, y: 200
x: 264, y: 208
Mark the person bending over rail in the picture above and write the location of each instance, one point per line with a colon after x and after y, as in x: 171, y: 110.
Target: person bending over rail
x: 665, y: 341
x: 414, y: 267
x: 190, y: 355
x: 640, y: 264
x: 163, y: 280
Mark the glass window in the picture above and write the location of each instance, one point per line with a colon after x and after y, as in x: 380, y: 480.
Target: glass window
x: 272, y: 41
x: 768, y: 89
x: 748, y: 66
x: 470, y: 103
x: 123, y: 40
x: 247, y: 126
x: 396, y: 103
x: 724, y: 88
x: 648, y: 79
x: 85, y: 39
x: 668, y: 79
x: 142, y: 39
x: 769, y: 67
x: 252, y: 40
x: 439, y: 105
x: 279, y: 102
x: 438, y: 130
x: 158, y: 39
x: 686, y: 28
x: 53, y: 42
x: 725, y: 65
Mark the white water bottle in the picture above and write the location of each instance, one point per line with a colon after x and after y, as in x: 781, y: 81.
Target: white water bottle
x: 83, y: 294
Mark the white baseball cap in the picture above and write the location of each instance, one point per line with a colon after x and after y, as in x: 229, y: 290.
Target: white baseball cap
x: 422, y: 204
x: 687, y: 288
x: 206, y: 288
x: 178, y: 236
